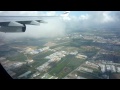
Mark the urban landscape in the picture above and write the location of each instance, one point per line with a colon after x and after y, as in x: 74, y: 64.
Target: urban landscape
x: 82, y: 54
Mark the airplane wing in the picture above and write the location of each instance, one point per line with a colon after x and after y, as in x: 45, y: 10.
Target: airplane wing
x: 18, y: 23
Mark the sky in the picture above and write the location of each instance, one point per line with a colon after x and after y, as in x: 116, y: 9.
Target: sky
x: 57, y: 27
x: 19, y: 13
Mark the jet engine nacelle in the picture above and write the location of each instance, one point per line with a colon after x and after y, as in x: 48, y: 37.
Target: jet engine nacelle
x: 13, y: 29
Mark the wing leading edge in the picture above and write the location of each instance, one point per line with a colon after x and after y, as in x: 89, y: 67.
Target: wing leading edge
x: 10, y: 24
x: 18, y: 23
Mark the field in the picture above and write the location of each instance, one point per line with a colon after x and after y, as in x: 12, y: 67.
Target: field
x: 47, y: 76
x: 39, y: 59
x: 87, y: 75
x: 20, y: 57
x: 65, y: 66
x: 115, y: 76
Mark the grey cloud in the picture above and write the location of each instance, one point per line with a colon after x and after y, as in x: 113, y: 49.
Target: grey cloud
x: 53, y: 28
x: 56, y: 27
x: 98, y: 19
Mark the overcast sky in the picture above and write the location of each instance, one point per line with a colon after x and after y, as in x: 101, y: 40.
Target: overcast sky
x: 56, y: 27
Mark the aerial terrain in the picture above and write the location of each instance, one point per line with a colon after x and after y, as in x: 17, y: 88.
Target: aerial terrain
x: 89, y: 53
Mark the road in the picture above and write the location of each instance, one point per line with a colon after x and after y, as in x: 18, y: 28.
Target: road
x: 73, y: 70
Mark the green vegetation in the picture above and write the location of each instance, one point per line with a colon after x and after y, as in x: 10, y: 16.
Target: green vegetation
x: 88, y: 52
x: 65, y: 66
x: 70, y: 49
x: 87, y: 75
x: 21, y: 70
x: 41, y: 55
x: 39, y: 59
x: 52, y: 47
x: 38, y: 63
x: 47, y: 76
x: 61, y: 64
x: 109, y: 57
x: 80, y: 42
x: 7, y: 51
x: 70, y: 67
x: 96, y: 72
x: 38, y: 47
x: 69, y: 63
x: 20, y: 57
x: 114, y: 76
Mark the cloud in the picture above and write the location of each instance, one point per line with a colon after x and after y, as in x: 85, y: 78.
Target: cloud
x: 21, y: 13
x: 102, y: 16
x: 107, y: 17
x: 28, y: 13
x: 83, y: 17
x: 93, y: 19
x: 51, y: 13
x: 54, y: 27
x: 65, y: 16
x: 57, y: 27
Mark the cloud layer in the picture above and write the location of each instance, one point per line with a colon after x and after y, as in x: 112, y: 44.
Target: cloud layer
x: 57, y: 27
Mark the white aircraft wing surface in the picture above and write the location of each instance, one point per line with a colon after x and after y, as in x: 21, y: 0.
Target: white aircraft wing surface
x: 18, y: 23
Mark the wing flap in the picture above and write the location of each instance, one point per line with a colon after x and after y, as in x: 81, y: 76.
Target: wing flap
x: 34, y: 22
x: 20, y: 23
x: 10, y: 24
x: 29, y: 22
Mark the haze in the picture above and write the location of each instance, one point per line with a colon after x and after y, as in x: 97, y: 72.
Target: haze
x: 57, y: 26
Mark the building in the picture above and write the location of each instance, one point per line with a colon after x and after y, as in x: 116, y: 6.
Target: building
x: 118, y: 69
x: 85, y: 69
x: 108, y: 67
x: 34, y: 52
x: 29, y: 61
x: 113, y: 68
x: 43, y: 67
x: 102, y: 67
x: 18, y: 64
x: 92, y: 64
x: 81, y: 56
x: 35, y: 74
x: 73, y: 53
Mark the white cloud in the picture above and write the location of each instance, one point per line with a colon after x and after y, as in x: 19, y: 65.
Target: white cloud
x: 65, y: 16
x: 28, y: 13
x: 21, y: 13
x: 101, y: 16
x: 83, y: 17
x: 107, y: 17
x: 56, y: 27
x: 93, y: 19
x: 51, y: 13
x: 53, y: 28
